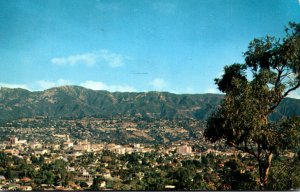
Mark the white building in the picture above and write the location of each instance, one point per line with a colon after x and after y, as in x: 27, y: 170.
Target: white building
x: 68, y: 142
x: 184, y: 149
x: 120, y: 150
x: 83, y: 146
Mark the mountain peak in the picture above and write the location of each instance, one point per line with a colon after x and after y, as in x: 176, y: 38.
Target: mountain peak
x: 67, y: 88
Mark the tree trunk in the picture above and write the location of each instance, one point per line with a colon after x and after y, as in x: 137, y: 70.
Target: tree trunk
x: 260, y: 170
x: 267, y: 168
x: 264, y: 168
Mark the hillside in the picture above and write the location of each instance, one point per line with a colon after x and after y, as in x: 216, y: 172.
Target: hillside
x: 75, y: 101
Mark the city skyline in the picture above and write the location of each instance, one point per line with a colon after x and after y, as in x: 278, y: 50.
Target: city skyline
x: 136, y: 46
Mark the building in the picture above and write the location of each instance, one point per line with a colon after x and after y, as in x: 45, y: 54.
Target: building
x: 120, y: 150
x: 25, y: 188
x: 170, y: 187
x: 40, y: 152
x: 97, y: 147
x: 83, y: 146
x: 68, y: 142
x: 184, y: 149
x: 2, y: 178
x: 13, y: 140
x: 110, y: 146
x: 11, y: 151
x: 16, y: 141
x: 83, y: 175
x: 36, y: 145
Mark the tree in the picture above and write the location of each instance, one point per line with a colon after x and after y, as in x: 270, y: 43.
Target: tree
x: 83, y: 184
x: 242, y: 119
x: 234, y: 177
x: 96, y: 183
x: 285, y: 174
x: 183, y: 178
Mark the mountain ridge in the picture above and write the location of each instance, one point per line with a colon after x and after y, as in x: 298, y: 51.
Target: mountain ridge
x: 78, y: 102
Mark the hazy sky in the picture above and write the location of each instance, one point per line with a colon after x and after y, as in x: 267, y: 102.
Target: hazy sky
x: 131, y: 45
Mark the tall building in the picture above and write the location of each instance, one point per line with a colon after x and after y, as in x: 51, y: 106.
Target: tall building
x: 68, y: 142
x: 15, y: 141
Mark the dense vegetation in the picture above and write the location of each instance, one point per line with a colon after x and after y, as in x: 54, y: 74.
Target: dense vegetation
x: 78, y: 102
x: 206, y: 172
x: 243, y: 118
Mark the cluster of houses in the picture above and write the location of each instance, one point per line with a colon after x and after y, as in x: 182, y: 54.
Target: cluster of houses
x: 24, y: 149
x: 22, y: 184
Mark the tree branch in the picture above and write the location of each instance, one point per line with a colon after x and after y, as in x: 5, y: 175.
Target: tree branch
x: 280, y: 70
x: 283, y: 96
x: 244, y: 149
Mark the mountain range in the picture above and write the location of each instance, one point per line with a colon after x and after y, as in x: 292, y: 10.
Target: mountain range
x: 78, y: 102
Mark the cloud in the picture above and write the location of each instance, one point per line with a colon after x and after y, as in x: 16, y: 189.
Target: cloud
x: 88, y: 59
x: 97, y: 85
x: 158, y: 83
x: 164, y: 7
x: 9, y: 85
x: 190, y: 90
x: 212, y: 90
x: 44, y: 84
x: 91, y: 59
x: 113, y: 59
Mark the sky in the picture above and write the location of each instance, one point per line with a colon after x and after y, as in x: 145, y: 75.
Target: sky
x: 178, y: 46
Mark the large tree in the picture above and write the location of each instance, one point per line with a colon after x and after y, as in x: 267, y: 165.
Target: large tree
x: 253, y: 90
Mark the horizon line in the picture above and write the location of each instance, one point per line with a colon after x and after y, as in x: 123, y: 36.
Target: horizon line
x: 149, y: 91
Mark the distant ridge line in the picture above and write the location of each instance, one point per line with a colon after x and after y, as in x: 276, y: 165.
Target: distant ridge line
x: 77, y: 102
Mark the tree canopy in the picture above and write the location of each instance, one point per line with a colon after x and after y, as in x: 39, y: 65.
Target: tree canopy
x: 253, y: 91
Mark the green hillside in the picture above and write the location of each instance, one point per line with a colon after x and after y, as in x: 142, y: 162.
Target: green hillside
x: 77, y: 102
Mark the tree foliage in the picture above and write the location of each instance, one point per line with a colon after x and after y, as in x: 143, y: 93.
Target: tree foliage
x: 234, y: 178
x: 285, y: 174
x: 242, y: 119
